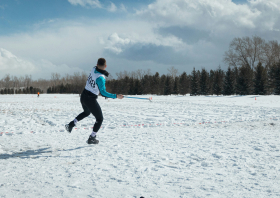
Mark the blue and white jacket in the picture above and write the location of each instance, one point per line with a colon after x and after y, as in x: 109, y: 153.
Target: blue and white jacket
x: 96, y: 83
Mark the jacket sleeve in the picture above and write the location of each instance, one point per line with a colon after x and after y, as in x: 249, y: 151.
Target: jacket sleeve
x: 101, y: 86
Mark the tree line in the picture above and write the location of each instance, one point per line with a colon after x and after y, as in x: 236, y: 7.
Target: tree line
x: 238, y: 80
x: 254, y: 68
x: 24, y: 90
x: 57, y: 84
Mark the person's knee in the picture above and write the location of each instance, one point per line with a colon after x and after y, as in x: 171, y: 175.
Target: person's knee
x: 99, y: 119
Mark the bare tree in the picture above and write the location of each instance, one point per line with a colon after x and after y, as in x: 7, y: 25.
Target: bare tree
x: 15, y: 82
x: 122, y: 75
x: 272, y: 53
x: 173, y: 72
x: 1, y: 83
x: 7, y: 81
x: 148, y: 72
x: 84, y: 77
x: 139, y: 74
x: 55, y: 78
x: 42, y: 84
x: 27, y: 80
x: 110, y: 77
x: 21, y: 81
x: 245, y: 51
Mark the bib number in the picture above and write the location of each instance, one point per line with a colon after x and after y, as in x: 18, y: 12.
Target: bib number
x: 91, y: 81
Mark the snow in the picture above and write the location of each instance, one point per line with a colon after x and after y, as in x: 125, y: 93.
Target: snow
x: 175, y: 146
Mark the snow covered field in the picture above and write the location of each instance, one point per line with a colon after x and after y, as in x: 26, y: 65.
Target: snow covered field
x: 175, y: 146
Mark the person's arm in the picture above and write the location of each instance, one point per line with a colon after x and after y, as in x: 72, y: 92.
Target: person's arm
x: 101, y: 85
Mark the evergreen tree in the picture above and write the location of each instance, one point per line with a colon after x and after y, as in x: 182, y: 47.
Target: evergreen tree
x: 2, y: 91
x: 54, y: 89
x: 131, y: 87
x: 244, y: 81
x: 194, y: 83
x: 125, y: 85
x: 260, y: 80
x: 218, y: 82
x: 147, y: 86
x: 271, y: 80
x: 204, y: 82
x: 168, y: 86
x: 62, y: 88
x: 111, y: 85
x: 277, y: 79
x: 184, y: 84
x: 156, y: 84
x: 67, y: 88
x: 211, y: 81
x: 176, y: 86
x: 162, y: 84
x: 229, y: 83
x: 49, y: 90
x: 198, y: 74
x: 235, y: 78
x: 138, y: 90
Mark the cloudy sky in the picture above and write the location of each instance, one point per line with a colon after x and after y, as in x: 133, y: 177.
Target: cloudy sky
x: 67, y: 36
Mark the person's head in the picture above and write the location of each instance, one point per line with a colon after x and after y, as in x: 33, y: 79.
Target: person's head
x: 101, y: 63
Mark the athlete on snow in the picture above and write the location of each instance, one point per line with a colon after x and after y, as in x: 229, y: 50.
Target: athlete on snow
x: 95, y: 85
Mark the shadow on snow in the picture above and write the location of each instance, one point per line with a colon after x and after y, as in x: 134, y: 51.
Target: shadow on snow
x: 34, y: 153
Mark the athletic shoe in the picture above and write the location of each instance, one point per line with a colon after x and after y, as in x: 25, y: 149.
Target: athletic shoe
x: 92, y: 140
x: 69, y: 126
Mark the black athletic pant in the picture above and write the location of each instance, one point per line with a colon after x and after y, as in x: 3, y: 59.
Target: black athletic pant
x: 90, y: 105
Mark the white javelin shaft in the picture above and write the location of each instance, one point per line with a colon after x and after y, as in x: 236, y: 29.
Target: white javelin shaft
x: 138, y: 98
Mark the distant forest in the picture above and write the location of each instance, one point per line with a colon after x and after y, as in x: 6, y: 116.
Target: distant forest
x: 254, y: 68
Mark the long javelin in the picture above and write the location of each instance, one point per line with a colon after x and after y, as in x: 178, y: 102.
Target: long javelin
x: 150, y: 98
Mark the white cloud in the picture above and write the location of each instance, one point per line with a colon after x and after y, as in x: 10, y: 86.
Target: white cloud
x: 74, y: 43
x: 215, y: 16
x: 11, y: 64
x: 44, y: 69
x: 78, y: 44
x: 200, y: 14
x: 114, y: 43
x: 112, y: 7
x: 270, y: 13
x: 216, y: 22
x: 117, y: 44
x: 85, y: 3
x: 261, y: 4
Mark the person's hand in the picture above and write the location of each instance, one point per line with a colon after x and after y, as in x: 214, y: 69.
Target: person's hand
x: 120, y: 96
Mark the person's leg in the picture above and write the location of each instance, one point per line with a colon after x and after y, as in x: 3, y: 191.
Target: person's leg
x: 84, y: 100
x: 81, y: 116
x: 84, y: 114
x: 96, y: 111
x: 98, y: 116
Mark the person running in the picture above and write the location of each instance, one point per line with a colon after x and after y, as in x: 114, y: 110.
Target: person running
x: 38, y: 94
x: 95, y: 85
